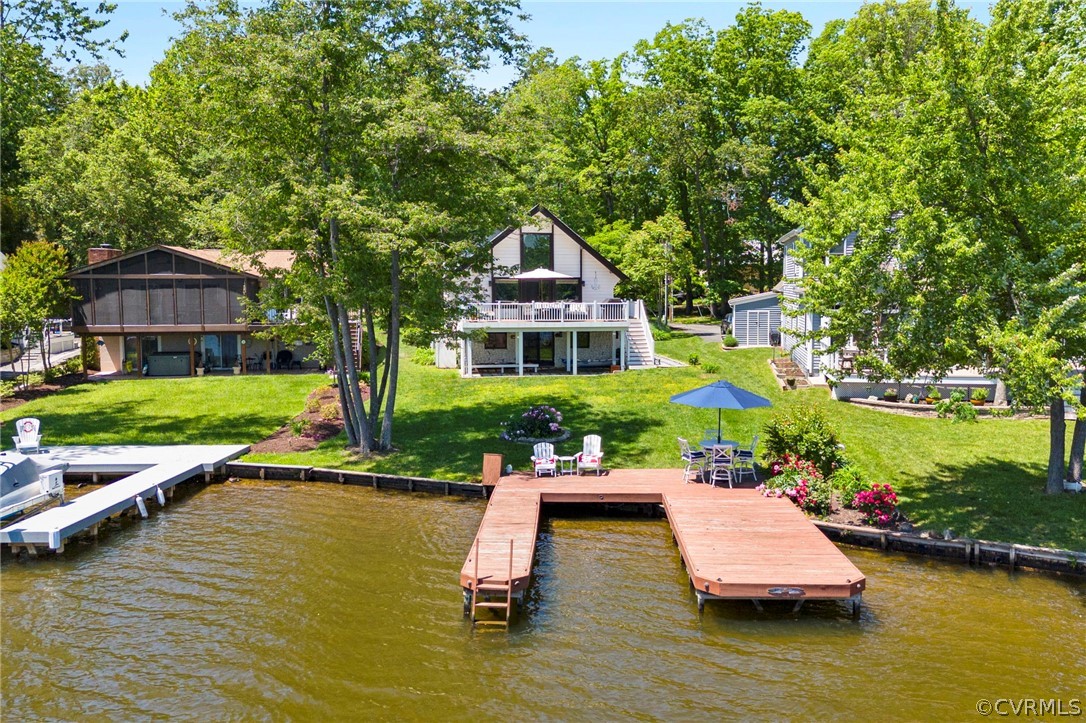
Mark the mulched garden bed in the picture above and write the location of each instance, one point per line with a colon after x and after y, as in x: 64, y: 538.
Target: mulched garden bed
x: 317, y: 428
x: 23, y: 396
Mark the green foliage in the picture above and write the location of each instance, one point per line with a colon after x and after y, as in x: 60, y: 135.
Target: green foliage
x: 980, y: 394
x: 312, y: 405
x: 710, y: 368
x: 7, y: 388
x: 847, y: 480
x: 330, y: 411
x: 730, y: 341
x: 298, y: 427
x: 804, y: 431
x: 694, y: 360
x: 423, y: 356
x: 33, y: 288
x: 890, y: 394
x: 957, y: 407
x: 658, y: 251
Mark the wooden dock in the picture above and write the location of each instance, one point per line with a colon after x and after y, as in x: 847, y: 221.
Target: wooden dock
x: 153, y: 472
x: 735, y: 543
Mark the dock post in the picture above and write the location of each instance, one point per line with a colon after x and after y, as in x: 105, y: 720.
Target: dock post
x: 701, y: 601
x: 856, y: 599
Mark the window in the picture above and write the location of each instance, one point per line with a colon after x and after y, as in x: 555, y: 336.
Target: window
x: 134, y: 301
x: 107, y: 302
x: 506, y: 291
x: 216, y: 302
x: 584, y: 340
x: 536, y: 251
x: 160, y: 294
x: 567, y: 291
x: 496, y: 341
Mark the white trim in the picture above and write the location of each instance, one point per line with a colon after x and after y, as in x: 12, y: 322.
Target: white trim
x: 752, y: 297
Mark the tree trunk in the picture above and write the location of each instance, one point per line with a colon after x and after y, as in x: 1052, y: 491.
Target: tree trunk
x: 392, y: 361
x: 1057, y: 435
x: 1078, y: 437
x: 1000, y: 397
x: 354, y: 394
x: 337, y: 352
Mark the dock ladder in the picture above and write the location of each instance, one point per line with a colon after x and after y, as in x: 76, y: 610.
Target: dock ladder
x: 484, y: 601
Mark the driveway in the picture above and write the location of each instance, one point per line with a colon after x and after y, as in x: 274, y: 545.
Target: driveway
x: 707, y: 332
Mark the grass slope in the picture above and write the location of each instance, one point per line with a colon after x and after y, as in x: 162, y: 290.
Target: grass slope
x: 207, y: 410
x: 982, y: 480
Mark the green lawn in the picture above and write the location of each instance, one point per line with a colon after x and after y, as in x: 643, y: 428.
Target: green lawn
x: 198, y: 410
x: 982, y: 480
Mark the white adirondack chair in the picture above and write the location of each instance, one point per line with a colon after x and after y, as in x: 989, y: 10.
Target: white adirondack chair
x: 591, y: 456
x: 543, y: 460
x: 28, y: 439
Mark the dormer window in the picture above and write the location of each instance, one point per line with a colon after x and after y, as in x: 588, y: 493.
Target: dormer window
x: 536, y: 251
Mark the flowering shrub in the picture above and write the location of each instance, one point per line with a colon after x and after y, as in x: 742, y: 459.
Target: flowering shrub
x: 878, y: 504
x: 539, y: 422
x: 805, y: 432
x: 800, y: 481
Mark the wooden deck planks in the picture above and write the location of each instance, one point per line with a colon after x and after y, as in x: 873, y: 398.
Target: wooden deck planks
x: 735, y: 543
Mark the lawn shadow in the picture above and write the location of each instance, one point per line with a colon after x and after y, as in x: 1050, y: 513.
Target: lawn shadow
x: 998, y: 500
x: 436, y: 442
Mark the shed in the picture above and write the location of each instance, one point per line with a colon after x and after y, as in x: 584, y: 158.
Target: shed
x: 756, y: 319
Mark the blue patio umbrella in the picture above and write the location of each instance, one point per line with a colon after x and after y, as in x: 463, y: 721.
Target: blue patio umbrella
x: 720, y: 395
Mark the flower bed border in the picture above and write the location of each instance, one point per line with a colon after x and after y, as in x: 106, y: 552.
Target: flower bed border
x: 565, y: 435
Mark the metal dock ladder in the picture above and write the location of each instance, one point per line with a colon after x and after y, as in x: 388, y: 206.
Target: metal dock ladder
x: 484, y: 600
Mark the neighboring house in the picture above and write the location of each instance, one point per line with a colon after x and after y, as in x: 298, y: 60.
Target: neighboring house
x: 549, y: 305
x: 820, y: 365
x: 168, y: 311
x: 756, y: 319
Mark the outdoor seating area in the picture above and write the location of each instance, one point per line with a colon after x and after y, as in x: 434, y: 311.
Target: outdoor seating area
x: 546, y: 463
x: 719, y: 461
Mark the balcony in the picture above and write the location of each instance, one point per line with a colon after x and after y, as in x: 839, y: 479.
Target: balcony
x: 557, y: 312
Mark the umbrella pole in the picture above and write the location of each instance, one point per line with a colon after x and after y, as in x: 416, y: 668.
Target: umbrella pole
x: 718, y: 424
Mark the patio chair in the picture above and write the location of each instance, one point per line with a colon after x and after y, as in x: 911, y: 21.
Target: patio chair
x: 722, y: 460
x: 544, y: 461
x: 693, y: 459
x: 28, y: 439
x: 284, y: 359
x: 744, y: 460
x: 591, y: 456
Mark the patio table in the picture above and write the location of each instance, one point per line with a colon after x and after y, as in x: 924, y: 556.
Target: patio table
x: 567, y: 465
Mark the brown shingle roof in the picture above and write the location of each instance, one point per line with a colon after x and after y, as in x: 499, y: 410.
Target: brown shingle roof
x: 272, y: 258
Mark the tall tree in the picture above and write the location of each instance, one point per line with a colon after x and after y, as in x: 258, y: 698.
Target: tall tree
x: 960, y: 165
x: 32, y: 291
x: 346, y: 131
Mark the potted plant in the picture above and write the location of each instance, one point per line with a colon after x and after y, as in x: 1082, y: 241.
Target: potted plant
x: 889, y: 395
x: 791, y: 382
x: 979, y: 397
x: 237, y: 368
x: 932, y: 393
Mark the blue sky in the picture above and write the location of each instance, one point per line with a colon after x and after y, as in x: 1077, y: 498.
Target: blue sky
x: 589, y: 30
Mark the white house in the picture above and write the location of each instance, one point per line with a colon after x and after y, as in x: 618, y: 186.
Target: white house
x: 820, y: 365
x: 549, y: 305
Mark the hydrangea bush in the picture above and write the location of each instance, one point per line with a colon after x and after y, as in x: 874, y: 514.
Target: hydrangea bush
x: 878, y: 505
x: 539, y: 422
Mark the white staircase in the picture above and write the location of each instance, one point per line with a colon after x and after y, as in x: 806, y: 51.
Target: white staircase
x: 641, y: 349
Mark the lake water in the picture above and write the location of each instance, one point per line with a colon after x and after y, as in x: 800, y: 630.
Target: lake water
x: 260, y: 601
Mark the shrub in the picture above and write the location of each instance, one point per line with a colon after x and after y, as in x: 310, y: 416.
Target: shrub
x: 800, y: 481
x: 932, y: 393
x: 878, y: 505
x: 890, y: 394
x: 847, y: 481
x: 330, y: 411
x: 710, y: 368
x: 980, y: 395
x: 804, y: 432
x: 957, y: 407
x: 7, y: 388
x: 298, y: 426
x: 694, y: 359
x: 423, y: 356
x: 730, y: 341
x: 312, y: 405
x: 539, y: 422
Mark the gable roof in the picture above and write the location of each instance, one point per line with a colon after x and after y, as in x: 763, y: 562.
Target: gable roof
x: 752, y: 297
x: 540, y: 209
x: 272, y: 258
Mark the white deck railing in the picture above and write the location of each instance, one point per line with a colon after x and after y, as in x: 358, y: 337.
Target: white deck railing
x: 556, y: 312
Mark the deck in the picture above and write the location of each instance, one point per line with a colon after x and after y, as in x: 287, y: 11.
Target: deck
x: 736, y: 544
x: 153, y: 472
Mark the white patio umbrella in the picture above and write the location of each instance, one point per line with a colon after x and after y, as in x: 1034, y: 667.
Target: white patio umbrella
x: 543, y: 275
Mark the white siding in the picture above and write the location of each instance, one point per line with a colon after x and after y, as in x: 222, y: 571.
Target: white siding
x: 567, y: 254
x: 599, y: 281
x: 507, y: 251
x: 754, y: 322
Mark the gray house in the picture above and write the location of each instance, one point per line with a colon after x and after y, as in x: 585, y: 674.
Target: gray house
x: 756, y: 318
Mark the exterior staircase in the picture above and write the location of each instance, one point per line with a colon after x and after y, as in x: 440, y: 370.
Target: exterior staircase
x: 784, y: 368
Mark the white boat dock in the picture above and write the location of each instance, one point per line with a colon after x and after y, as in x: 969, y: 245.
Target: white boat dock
x: 153, y: 472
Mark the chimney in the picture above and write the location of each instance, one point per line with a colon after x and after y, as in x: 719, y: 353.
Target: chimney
x: 101, y: 253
